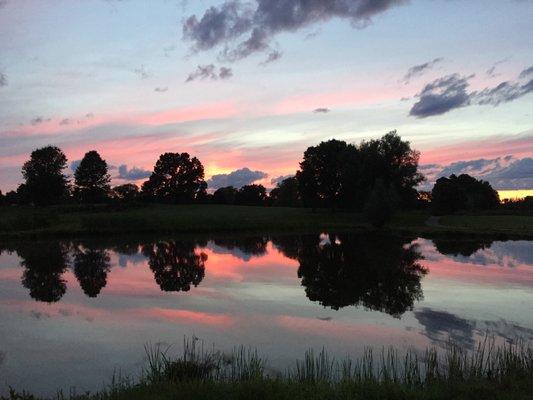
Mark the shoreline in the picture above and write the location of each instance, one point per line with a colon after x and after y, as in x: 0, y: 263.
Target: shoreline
x: 24, y: 223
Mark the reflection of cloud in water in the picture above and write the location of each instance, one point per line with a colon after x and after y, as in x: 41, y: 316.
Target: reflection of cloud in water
x: 133, y: 259
x: 2, y: 357
x: 505, y: 254
x: 235, y: 252
x: 442, y: 327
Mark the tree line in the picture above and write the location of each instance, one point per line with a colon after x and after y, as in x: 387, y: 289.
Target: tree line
x: 377, y: 176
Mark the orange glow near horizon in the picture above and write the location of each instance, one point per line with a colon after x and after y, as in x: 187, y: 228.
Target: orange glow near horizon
x: 515, y: 194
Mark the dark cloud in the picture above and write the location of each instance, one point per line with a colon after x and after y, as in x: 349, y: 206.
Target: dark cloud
x: 442, y: 326
x: 451, y: 92
x: 273, y: 56
x: 502, y: 172
x: 322, y: 110
x: 419, y: 69
x: 254, y: 25
x: 441, y: 96
x: 503, y: 93
x: 132, y: 174
x: 525, y: 73
x: 237, y: 179
x: 204, y: 72
x: 89, y: 115
x: 65, y: 121
x: 161, y: 89
x: 39, y: 120
x: 225, y: 73
x: 3, y: 79
x: 279, y: 179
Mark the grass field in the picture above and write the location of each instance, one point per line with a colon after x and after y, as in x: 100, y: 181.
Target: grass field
x: 488, y: 372
x: 501, y: 223
x: 20, y: 222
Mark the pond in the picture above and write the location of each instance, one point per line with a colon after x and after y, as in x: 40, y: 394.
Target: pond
x: 73, y: 313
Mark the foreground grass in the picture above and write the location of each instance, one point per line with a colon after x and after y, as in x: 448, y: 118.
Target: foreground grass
x: 488, y: 372
x: 67, y: 221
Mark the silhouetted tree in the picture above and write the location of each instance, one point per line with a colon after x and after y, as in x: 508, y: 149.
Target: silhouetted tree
x: 251, y: 195
x: 91, y: 267
x: 327, y: 176
x: 381, y: 204
x: 225, y: 195
x: 44, y: 266
x: 176, y: 265
x: 391, y: 160
x: 127, y: 193
x: 91, y: 179
x: 380, y: 273
x: 45, y: 182
x: 177, y: 178
x: 286, y: 193
x: 11, y: 197
x: 462, y: 192
x: 2, y: 199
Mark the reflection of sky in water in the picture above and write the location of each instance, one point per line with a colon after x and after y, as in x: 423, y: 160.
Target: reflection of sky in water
x: 251, y: 294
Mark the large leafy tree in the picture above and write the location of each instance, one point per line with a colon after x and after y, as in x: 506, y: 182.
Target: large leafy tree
x: 177, y: 178
x: 45, y: 182
x: 391, y: 160
x: 92, y: 178
x: 251, y: 195
x: 462, y: 192
x: 327, y: 175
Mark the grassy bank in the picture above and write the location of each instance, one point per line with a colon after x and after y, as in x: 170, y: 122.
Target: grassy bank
x: 24, y: 222
x: 489, y: 372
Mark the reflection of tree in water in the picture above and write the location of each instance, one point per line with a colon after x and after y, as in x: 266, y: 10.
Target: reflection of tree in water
x: 377, y: 272
x: 44, y: 266
x: 254, y: 246
x: 91, y: 267
x: 462, y: 247
x: 175, y: 264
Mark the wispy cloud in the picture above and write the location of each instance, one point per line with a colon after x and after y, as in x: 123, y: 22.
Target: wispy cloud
x: 210, y: 72
x: 420, y: 69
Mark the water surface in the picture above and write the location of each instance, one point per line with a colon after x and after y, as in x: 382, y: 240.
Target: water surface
x: 74, y: 312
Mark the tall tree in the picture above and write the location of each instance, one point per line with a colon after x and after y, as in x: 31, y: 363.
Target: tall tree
x: 391, y: 160
x: 177, y: 178
x: 327, y: 175
x: 92, y: 178
x: 43, y: 172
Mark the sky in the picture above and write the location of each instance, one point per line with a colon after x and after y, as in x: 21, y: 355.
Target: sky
x: 247, y: 86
